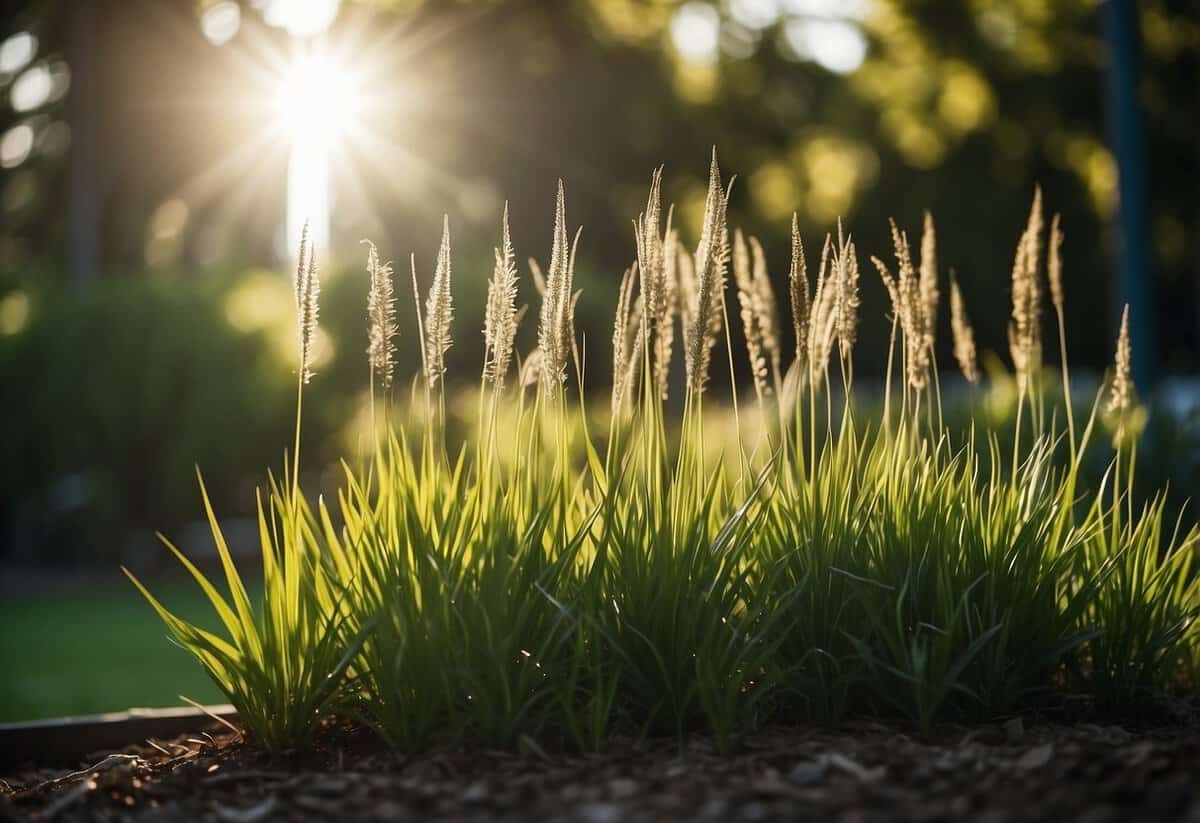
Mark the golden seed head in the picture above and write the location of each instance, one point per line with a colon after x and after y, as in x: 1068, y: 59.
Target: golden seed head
x: 927, y: 280
x: 627, y: 338
x: 914, y: 324
x: 1120, y: 396
x: 1054, y: 263
x: 665, y: 339
x: 500, y: 318
x: 823, y: 327
x: 712, y: 255
x: 963, y: 334
x: 798, y: 292
x: 439, y: 312
x: 556, y: 322
x: 743, y: 277
x: 307, y: 289
x: 845, y: 273
x: 381, y: 317
x: 650, y: 260
x: 1025, y: 330
x: 531, y: 369
x: 767, y: 309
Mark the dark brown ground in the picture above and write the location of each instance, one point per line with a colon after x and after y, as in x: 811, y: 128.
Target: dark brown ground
x: 1018, y: 772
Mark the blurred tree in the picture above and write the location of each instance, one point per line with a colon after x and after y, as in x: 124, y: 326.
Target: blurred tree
x: 138, y: 138
x: 859, y: 108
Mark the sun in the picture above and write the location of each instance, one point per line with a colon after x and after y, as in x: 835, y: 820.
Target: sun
x: 318, y: 103
x: 344, y: 107
x: 318, y: 98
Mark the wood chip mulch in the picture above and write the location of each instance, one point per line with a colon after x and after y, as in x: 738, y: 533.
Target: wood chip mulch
x: 866, y: 772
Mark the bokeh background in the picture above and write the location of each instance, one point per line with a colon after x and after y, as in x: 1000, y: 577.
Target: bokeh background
x: 157, y: 157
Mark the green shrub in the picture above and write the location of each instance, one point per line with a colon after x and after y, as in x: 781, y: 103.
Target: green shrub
x: 545, y: 580
x: 119, y: 389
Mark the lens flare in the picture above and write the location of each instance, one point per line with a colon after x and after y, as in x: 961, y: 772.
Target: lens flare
x: 318, y: 103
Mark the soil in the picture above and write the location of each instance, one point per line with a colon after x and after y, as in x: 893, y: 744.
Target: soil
x: 1019, y: 770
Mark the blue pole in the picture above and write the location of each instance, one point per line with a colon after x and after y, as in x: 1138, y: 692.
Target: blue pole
x: 1124, y: 124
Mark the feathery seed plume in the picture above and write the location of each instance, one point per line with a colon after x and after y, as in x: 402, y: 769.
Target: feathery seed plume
x: 665, y: 340
x: 963, y: 334
x: 767, y: 310
x: 622, y: 339
x: 412, y: 264
x: 927, y: 281
x: 1054, y: 264
x: 651, y: 262
x: 845, y: 273
x: 1034, y: 228
x: 799, y: 294
x: 712, y: 255
x: 554, y: 322
x: 381, y: 317
x: 531, y: 369
x: 301, y: 265
x: 539, y: 279
x: 308, y: 289
x: 568, y: 319
x: 500, y: 319
x: 744, y: 280
x: 628, y: 339
x: 913, y: 323
x: 822, y: 329
x: 439, y: 312
x: 889, y: 283
x: 1025, y: 329
x: 1120, y: 397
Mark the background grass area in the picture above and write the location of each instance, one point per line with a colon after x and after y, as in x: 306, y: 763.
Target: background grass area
x: 97, y: 649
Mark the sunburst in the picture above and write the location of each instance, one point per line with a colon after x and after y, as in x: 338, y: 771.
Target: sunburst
x: 344, y: 106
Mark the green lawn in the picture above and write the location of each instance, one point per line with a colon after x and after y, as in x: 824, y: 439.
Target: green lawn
x: 96, y: 650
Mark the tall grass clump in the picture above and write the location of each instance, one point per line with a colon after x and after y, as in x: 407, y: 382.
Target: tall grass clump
x: 565, y: 576
x: 283, y: 661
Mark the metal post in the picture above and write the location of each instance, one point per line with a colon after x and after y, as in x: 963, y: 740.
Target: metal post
x: 1120, y: 25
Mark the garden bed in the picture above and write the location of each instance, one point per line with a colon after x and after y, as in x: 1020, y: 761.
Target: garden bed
x: 1019, y: 770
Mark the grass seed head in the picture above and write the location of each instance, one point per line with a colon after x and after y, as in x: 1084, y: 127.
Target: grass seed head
x: 1120, y: 393
x: 301, y: 266
x: 845, y: 272
x: 651, y: 262
x: 439, y: 312
x: 927, y: 280
x: 307, y: 285
x: 889, y: 283
x: 823, y: 328
x: 1054, y: 263
x: 1025, y: 329
x: 767, y: 309
x: 500, y: 318
x: 555, y: 323
x: 913, y: 322
x: 665, y: 339
x: 531, y: 369
x: 743, y: 277
x: 625, y: 332
x: 963, y: 334
x: 712, y: 256
x: 381, y: 317
x: 798, y: 292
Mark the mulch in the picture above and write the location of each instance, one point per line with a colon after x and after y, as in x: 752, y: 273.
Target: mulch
x: 1021, y: 770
